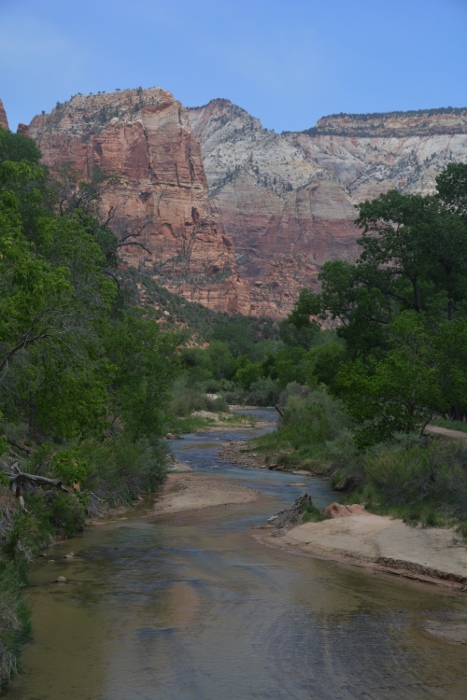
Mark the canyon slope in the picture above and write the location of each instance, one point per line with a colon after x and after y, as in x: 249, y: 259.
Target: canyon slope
x: 144, y: 137
x: 288, y: 200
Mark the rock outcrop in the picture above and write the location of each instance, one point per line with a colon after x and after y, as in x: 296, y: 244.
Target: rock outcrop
x: 288, y: 200
x: 338, y: 510
x: 3, y: 118
x: 144, y: 136
x: 23, y: 130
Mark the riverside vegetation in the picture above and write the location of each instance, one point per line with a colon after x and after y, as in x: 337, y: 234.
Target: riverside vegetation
x: 84, y: 373
x: 90, y: 380
x: 362, y: 400
x: 355, y: 400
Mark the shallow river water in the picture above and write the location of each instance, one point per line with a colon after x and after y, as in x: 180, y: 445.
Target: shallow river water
x: 195, y: 608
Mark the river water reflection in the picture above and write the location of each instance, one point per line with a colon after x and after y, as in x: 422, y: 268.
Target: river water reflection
x: 194, y: 608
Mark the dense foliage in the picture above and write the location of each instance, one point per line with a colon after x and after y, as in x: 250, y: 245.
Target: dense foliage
x: 397, y: 361
x: 85, y: 375
x: 402, y: 310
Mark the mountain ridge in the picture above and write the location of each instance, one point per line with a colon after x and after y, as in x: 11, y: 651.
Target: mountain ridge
x: 288, y: 200
x: 236, y: 216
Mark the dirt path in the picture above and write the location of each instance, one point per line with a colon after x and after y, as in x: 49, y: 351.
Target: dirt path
x: 436, y: 430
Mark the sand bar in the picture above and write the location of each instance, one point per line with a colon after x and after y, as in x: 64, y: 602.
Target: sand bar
x: 378, y: 542
x: 190, y: 492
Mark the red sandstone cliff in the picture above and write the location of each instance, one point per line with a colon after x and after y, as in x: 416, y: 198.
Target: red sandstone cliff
x: 280, y: 205
x: 288, y: 200
x: 144, y: 136
x: 284, y: 212
x: 3, y: 119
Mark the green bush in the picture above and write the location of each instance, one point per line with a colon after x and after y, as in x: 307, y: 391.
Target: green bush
x: 119, y: 469
x: 433, y: 473
x: 313, y: 433
x: 313, y: 420
x: 67, y: 513
x: 67, y: 467
x: 311, y: 514
x: 187, y: 398
x: 28, y: 534
x: 263, y: 392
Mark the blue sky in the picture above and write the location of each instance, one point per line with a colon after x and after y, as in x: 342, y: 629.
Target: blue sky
x: 288, y: 62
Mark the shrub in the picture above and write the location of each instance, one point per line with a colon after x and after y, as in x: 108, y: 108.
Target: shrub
x: 263, y: 392
x: 119, y: 469
x: 68, y: 513
x: 314, y: 419
x: 422, y: 473
x: 311, y: 514
x: 67, y: 467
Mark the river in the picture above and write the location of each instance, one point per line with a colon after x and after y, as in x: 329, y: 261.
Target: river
x: 195, y: 608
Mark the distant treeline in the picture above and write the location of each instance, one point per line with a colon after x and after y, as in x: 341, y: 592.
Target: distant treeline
x: 329, y: 129
x: 409, y: 113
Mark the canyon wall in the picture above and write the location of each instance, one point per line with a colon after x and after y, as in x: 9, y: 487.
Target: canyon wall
x: 288, y: 200
x: 3, y: 119
x: 144, y: 137
x: 233, y: 215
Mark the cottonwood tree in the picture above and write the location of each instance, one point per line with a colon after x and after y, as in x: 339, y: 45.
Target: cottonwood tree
x: 401, y: 308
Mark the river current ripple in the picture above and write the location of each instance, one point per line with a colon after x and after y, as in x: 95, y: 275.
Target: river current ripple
x: 195, y: 608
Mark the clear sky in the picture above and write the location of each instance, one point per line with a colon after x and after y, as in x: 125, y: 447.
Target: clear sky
x: 288, y: 62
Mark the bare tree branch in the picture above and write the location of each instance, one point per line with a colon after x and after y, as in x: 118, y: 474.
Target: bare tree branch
x: 19, y: 478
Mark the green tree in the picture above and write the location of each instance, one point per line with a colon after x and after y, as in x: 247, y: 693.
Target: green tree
x: 298, y: 330
x: 145, y: 363
x: 220, y: 357
x: 413, y: 257
x: 401, y: 391
x: 53, y: 299
x: 402, y: 308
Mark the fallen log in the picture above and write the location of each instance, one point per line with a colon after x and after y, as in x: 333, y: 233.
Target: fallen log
x: 19, y: 479
x: 293, y: 514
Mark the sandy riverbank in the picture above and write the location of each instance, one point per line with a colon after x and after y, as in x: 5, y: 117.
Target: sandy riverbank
x: 434, y: 555
x: 190, y: 492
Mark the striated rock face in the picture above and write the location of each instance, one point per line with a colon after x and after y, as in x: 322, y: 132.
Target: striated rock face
x: 145, y: 137
x: 430, y: 122
x: 287, y: 200
x: 283, y: 211
x: 279, y: 205
x: 3, y: 119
